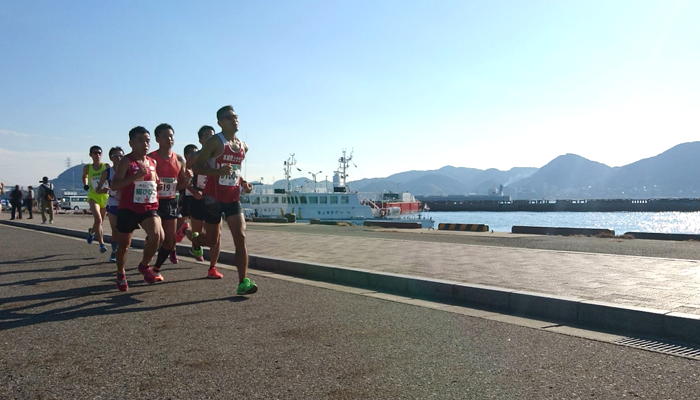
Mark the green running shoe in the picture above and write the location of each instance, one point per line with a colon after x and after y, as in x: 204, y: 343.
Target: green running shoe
x: 197, y: 253
x: 247, y: 287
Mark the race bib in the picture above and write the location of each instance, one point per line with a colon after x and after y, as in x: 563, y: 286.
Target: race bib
x: 201, y: 181
x: 95, y: 180
x: 233, y: 179
x: 169, y: 185
x: 145, y: 192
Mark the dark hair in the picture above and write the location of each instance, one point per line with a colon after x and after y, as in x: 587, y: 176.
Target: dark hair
x: 201, y: 130
x: 115, y: 149
x: 222, y: 110
x: 93, y: 148
x: 139, y: 130
x: 189, y: 149
x: 160, y: 128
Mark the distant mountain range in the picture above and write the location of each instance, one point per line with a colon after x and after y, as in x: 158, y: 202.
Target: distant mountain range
x: 673, y: 174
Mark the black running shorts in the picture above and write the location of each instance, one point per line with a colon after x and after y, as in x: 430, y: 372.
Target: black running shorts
x: 128, y: 221
x: 167, y: 209
x: 215, y: 208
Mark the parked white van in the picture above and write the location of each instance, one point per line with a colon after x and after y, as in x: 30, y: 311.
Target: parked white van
x: 75, y: 203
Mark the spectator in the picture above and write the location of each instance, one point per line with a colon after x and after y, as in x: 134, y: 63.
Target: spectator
x: 16, y: 202
x: 47, y: 198
x: 29, y: 201
x: 2, y: 193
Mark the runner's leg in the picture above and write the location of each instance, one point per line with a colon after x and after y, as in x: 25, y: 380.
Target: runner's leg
x: 154, y: 237
x: 97, y: 215
x: 236, y: 224
x: 122, y: 249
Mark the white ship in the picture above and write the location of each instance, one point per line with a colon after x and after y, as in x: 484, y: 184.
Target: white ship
x: 339, y: 205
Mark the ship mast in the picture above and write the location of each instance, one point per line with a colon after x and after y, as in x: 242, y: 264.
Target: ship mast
x: 291, y: 161
x: 343, y: 165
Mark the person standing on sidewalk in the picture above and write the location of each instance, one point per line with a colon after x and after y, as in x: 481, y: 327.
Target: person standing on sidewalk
x: 171, y: 171
x: 221, y: 159
x: 16, y: 202
x: 29, y: 201
x: 137, y: 181
x: 46, y: 199
x: 97, y: 201
x: 2, y: 193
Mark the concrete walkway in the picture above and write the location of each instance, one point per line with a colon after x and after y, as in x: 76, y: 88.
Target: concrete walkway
x: 644, y: 295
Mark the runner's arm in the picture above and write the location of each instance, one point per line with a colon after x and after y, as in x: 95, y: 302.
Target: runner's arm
x: 182, y: 180
x: 121, y: 180
x: 103, y: 179
x: 85, y: 176
x: 212, y: 147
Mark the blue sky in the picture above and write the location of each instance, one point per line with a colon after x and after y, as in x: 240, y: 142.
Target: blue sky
x: 407, y: 85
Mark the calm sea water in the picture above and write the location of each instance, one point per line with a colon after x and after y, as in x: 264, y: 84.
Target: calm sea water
x: 620, y: 222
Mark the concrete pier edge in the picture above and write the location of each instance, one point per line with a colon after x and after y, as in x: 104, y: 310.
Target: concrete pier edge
x: 628, y: 320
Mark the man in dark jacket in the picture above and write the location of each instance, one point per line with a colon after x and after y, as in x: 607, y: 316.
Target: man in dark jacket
x: 16, y: 202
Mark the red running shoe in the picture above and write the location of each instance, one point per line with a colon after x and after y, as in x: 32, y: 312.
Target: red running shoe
x: 148, y: 276
x: 214, y: 274
x: 180, y: 234
x: 173, y: 257
x: 156, y: 273
x: 122, y: 284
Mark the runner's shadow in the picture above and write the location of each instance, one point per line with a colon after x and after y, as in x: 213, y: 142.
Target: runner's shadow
x: 116, y: 304
x: 44, y: 270
x: 45, y: 299
x: 31, y: 260
x: 37, y: 281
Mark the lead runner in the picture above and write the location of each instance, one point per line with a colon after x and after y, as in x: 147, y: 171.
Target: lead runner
x: 138, y: 205
x: 221, y: 159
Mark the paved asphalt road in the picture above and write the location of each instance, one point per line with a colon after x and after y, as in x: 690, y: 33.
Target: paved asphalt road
x: 67, y: 333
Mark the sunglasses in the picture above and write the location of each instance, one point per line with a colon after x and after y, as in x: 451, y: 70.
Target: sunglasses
x: 117, y: 155
x: 229, y: 117
x: 97, y: 153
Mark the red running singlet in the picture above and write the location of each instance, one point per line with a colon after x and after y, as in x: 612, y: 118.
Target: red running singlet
x: 140, y: 196
x: 226, y: 189
x: 168, y: 171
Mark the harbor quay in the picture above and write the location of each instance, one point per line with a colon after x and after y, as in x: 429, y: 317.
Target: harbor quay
x: 637, y: 287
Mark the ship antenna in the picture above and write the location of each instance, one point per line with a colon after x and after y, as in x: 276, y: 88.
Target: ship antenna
x: 288, y: 170
x: 343, y: 165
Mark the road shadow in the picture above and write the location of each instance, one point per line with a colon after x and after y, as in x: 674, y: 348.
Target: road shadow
x: 117, y: 303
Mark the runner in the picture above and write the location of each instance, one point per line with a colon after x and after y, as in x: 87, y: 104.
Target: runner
x: 198, y: 209
x: 221, y: 159
x: 137, y: 181
x: 171, y: 171
x: 187, y: 197
x: 97, y: 201
x: 115, y: 155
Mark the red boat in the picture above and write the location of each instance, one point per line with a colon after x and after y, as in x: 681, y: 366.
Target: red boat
x: 394, y: 204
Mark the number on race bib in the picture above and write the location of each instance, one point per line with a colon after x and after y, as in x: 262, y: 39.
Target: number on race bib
x: 233, y: 179
x: 169, y: 186
x: 145, y: 192
x: 95, y: 180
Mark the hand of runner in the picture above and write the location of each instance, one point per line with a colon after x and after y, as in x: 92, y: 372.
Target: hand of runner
x: 143, y: 170
x: 225, y: 169
x: 247, y: 187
